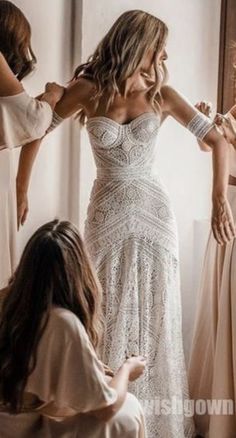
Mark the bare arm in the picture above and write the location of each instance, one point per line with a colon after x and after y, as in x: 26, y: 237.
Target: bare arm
x: 120, y: 383
x: 223, y: 122
x: 10, y: 86
x: 52, y: 94
x: 222, y: 219
x: 131, y: 370
x: 26, y: 161
x: 74, y: 98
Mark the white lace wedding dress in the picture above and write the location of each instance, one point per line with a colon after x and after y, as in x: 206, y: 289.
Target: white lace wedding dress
x: 131, y: 235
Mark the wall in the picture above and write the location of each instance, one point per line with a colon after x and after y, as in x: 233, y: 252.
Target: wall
x: 49, y: 189
x: 64, y: 171
x: 193, y: 66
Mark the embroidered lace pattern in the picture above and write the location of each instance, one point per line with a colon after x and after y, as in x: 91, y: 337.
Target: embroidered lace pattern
x: 131, y: 236
x: 200, y: 125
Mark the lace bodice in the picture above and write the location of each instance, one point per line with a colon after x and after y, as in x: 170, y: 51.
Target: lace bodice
x: 123, y: 150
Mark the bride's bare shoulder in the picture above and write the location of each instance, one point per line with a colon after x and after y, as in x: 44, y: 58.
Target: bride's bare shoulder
x: 77, y: 95
x: 168, y: 93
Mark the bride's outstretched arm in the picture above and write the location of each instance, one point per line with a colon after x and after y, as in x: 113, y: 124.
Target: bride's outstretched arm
x: 176, y: 105
x: 74, y: 98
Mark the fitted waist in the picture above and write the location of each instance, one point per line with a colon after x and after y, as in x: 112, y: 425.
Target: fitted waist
x: 122, y: 173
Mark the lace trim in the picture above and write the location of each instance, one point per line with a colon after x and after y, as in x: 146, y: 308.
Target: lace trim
x: 56, y: 121
x: 200, y: 126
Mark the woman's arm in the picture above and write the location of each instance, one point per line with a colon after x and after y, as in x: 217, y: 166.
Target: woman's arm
x: 52, y: 94
x: 10, y: 86
x: 222, y: 220
x: 75, y: 97
x: 28, y: 155
x: 225, y: 123
x: 131, y: 370
x: 27, y: 158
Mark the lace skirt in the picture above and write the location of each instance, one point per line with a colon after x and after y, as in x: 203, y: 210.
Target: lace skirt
x: 131, y: 236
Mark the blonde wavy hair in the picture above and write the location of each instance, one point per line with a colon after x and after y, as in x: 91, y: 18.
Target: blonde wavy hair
x: 119, y: 55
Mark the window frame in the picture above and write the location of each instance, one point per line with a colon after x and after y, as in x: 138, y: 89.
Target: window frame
x: 227, y: 57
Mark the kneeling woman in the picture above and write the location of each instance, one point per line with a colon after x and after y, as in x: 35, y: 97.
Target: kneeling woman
x: 52, y: 383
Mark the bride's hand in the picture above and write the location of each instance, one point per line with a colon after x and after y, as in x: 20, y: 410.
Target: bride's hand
x: 222, y: 221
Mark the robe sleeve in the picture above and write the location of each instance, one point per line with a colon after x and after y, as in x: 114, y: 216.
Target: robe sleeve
x: 22, y: 120
x: 68, y: 371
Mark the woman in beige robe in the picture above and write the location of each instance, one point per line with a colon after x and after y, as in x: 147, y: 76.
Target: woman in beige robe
x: 52, y: 382
x: 212, y: 371
x: 23, y: 119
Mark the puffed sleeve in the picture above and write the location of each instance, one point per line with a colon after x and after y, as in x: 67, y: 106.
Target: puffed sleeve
x: 68, y: 372
x: 22, y: 120
x: 200, y: 125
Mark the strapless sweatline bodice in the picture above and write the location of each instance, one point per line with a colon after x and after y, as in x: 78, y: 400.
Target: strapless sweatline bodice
x: 140, y: 116
x: 123, y: 150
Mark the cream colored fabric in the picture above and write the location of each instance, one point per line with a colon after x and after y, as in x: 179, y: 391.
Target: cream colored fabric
x: 64, y: 372
x: 22, y: 120
x: 232, y: 167
x: 69, y: 375
x: 131, y: 236
x: 212, y: 372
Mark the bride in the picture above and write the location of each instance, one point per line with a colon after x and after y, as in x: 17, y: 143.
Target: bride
x: 121, y: 97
